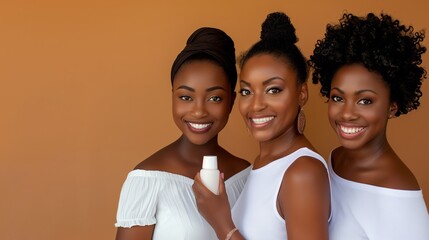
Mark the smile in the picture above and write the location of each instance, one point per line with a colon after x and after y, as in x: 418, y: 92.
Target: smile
x: 259, y: 121
x: 199, y: 126
x: 351, y: 130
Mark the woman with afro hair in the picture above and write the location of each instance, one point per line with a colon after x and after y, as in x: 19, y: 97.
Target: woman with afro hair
x: 286, y: 195
x: 369, y: 69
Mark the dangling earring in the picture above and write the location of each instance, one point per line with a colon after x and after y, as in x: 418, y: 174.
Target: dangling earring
x: 301, y: 121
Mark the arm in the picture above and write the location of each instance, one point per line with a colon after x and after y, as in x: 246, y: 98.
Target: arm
x: 304, y: 200
x: 215, y: 208
x: 135, y: 233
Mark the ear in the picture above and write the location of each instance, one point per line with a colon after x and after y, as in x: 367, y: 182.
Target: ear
x: 393, y: 109
x: 303, y: 94
x: 234, y: 95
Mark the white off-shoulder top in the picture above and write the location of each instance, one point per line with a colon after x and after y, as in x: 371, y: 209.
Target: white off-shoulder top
x: 364, y: 211
x: 167, y: 200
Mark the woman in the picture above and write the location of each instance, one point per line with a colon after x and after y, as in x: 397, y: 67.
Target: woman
x: 156, y: 200
x: 287, y: 192
x: 369, y: 69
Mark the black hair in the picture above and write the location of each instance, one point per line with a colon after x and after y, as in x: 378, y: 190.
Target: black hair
x: 209, y: 44
x: 383, y: 46
x: 278, y: 38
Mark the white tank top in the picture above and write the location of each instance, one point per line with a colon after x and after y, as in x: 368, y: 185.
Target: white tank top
x: 255, y: 212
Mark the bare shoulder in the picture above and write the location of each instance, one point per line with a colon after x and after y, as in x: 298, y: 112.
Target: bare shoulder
x: 158, y: 161
x: 304, y: 197
x: 231, y: 165
x: 398, y: 176
x: 305, y: 169
x: 306, y: 177
x: 239, y: 163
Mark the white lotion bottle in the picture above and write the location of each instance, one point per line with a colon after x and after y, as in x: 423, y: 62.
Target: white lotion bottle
x: 210, y: 174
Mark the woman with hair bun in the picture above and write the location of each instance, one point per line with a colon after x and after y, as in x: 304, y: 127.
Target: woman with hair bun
x: 157, y: 201
x: 287, y: 193
x: 369, y: 69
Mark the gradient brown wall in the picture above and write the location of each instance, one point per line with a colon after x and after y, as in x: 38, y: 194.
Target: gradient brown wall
x: 85, y: 96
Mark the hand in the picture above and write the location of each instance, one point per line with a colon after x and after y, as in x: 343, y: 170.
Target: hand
x: 214, y: 208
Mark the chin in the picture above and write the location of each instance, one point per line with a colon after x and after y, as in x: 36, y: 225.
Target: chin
x: 351, y: 145
x: 261, y: 137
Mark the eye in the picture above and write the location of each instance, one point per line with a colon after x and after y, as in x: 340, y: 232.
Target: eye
x: 365, y: 101
x: 185, y: 98
x: 215, y: 99
x: 273, y: 90
x: 244, y: 92
x: 336, y: 98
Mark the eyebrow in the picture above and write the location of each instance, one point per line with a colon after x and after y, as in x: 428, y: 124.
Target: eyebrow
x: 207, y: 90
x: 356, y: 92
x: 264, y: 82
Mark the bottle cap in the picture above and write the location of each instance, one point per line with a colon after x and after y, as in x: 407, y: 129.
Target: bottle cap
x: 210, y: 162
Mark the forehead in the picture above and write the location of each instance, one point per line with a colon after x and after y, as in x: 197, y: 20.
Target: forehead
x: 201, y: 73
x: 357, y: 77
x: 263, y: 65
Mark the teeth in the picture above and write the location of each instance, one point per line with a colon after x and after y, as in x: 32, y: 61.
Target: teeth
x: 262, y: 120
x: 199, y: 125
x: 351, y: 130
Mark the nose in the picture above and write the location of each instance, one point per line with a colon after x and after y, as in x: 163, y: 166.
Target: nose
x: 348, y: 111
x: 199, y: 109
x: 258, y: 102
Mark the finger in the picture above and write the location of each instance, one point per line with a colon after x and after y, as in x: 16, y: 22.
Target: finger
x: 221, y: 184
x: 197, y: 176
x: 199, y: 188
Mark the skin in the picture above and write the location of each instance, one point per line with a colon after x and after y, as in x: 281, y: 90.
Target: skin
x: 359, y: 109
x: 271, y: 94
x: 201, y: 95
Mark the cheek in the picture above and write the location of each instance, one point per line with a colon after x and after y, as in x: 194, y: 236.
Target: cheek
x: 221, y: 111
x: 332, y: 112
x: 377, y: 117
x: 179, y: 108
x: 285, y: 105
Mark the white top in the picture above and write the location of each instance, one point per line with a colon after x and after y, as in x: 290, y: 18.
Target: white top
x: 363, y: 211
x: 167, y: 200
x: 255, y: 212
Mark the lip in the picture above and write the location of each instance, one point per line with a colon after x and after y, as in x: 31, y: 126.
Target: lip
x: 350, y: 131
x: 260, y: 121
x: 197, y: 127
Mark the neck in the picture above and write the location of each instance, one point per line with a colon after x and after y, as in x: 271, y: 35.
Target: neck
x: 366, y: 156
x: 278, y: 147
x: 194, y: 153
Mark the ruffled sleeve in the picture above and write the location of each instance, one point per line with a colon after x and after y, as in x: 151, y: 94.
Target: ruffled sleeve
x: 138, y: 200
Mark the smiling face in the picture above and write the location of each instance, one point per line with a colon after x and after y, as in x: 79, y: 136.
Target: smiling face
x: 270, y: 97
x: 359, y: 107
x: 202, y: 100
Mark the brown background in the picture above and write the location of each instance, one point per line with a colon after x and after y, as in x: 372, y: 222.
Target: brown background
x: 85, y: 96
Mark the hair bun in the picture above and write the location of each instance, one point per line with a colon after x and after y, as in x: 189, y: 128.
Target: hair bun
x: 277, y: 27
x: 214, y: 44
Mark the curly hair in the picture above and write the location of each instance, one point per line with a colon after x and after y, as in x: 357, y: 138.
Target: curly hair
x: 278, y: 38
x: 383, y: 46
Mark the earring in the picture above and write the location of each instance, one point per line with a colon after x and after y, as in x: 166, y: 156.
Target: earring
x: 301, y: 121
x: 392, y: 114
